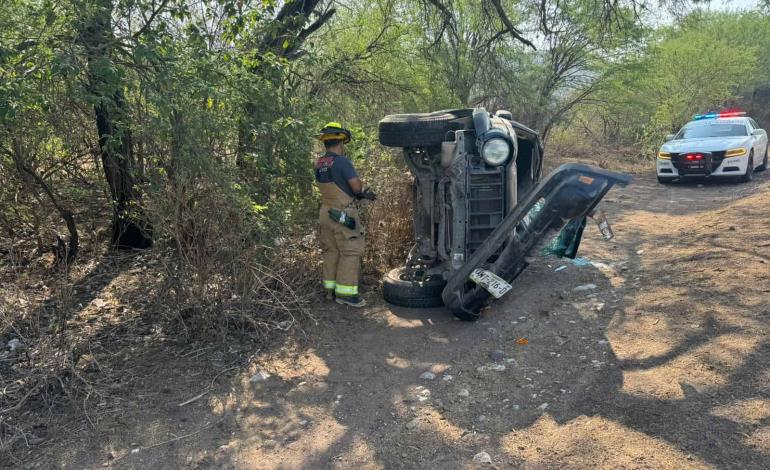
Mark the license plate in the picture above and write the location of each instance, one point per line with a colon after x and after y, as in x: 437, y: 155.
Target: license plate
x: 490, y: 281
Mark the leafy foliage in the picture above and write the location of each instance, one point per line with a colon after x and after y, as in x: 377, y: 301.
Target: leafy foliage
x: 683, y: 70
x: 212, y: 104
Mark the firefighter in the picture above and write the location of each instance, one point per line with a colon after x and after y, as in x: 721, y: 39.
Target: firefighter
x: 342, y: 233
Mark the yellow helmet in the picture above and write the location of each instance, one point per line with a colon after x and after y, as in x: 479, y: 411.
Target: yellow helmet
x: 335, y: 131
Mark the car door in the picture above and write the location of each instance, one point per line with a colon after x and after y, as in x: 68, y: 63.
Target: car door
x: 761, y: 143
x: 756, y: 141
x: 565, y: 197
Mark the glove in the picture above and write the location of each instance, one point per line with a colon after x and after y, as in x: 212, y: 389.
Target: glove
x: 366, y: 194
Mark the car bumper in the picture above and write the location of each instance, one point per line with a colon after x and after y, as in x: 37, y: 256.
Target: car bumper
x: 733, y: 166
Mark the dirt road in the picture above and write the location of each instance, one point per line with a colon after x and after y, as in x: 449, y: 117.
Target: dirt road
x: 664, y: 363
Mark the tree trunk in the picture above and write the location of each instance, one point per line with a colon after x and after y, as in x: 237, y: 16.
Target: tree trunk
x: 116, y: 154
x: 112, y: 123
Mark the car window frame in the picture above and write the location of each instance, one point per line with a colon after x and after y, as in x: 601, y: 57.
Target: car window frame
x: 745, y: 123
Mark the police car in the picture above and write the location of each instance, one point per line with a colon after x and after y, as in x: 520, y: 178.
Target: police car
x: 725, y: 144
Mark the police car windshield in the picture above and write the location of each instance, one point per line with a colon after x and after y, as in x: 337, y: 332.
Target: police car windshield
x: 712, y: 129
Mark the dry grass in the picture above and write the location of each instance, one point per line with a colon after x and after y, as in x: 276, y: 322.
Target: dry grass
x: 228, y: 267
x: 38, y: 368
x: 210, y: 275
x: 207, y: 281
x: 573, y: 147
x: 389, y: 219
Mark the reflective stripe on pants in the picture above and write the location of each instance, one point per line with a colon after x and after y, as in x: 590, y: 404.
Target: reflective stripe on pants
x: 346, y: 290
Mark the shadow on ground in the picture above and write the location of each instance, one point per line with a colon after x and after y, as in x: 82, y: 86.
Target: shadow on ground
x: 664, y: 364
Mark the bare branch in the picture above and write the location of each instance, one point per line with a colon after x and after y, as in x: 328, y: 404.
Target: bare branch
x: 65, y: 253
x: 517, y: 35
x: 448, y: 23
x: 149, y: 20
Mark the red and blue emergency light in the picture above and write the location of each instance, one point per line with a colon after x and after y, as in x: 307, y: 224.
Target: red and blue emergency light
x: 722, y: 114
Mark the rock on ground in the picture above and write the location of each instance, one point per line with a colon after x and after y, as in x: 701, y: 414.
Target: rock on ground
x: 482, y: 457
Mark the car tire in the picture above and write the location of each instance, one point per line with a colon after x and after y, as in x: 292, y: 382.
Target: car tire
x: 424, y: 130
x: 465, y: 314
x: 398, y: 290
x: 749, y: 175
x: 763, y: 166
x: 665, y: 180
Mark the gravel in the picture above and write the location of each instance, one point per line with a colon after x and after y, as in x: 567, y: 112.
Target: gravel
x: 497, y: 355
x: 584, y: 287
x: 260, y: 376
x: 482, y: 457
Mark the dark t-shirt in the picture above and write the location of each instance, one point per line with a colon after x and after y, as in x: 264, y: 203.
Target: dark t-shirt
x: 332, y: 168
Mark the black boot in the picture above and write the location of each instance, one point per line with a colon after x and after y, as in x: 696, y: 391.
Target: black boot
x: 351, y: 300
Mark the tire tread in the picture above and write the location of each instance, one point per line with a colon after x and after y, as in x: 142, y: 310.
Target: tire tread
x: 408, y: 130
x: 404, y: 294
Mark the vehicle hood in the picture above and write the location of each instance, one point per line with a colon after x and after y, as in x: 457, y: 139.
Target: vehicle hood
x: 712, y: 144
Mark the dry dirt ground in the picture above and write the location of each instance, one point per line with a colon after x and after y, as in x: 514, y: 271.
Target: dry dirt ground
x: 664, y: 364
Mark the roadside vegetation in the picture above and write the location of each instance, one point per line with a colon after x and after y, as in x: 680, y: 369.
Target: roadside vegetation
x: 155, y: 155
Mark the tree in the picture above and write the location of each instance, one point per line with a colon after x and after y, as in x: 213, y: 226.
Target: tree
x: 28, y: 112
x: 460, y: 38
x: 112, y: 119
x: 275, y: 42
x: 684, y: 71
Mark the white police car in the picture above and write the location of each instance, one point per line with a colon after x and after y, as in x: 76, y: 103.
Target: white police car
x: 726, y: 144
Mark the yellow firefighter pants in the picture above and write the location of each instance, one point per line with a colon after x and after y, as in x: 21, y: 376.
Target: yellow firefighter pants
x: 342, y: 251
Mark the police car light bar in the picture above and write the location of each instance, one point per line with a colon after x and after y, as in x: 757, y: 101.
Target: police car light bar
x: 723, y: 114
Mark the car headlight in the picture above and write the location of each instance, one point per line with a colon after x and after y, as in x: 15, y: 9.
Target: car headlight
x: 495, y: 151
x: 735, y: 152
x: 664, y: 155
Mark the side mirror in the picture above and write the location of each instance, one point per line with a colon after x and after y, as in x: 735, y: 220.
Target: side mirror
x: 758, y: 132
x: 670, y: 137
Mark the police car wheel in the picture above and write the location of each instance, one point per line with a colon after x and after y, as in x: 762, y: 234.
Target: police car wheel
x: 423, y: 129
x: 397, y: 289
x: 763, y: 166
x: 749, y: 170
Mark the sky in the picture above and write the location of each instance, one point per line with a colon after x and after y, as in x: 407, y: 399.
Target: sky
x: 733, y: 5
x: 664, y: 17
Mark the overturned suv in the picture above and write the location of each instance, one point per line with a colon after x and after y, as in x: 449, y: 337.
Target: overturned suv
x: 481, y: 210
